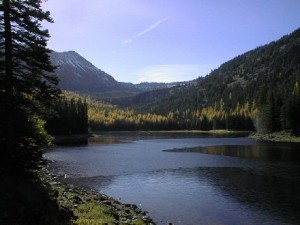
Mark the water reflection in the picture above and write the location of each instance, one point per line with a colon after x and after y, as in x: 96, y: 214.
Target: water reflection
x: 270, y: 152
x: 209, y: 195
x: 115, y: 137
x: 259, y: 185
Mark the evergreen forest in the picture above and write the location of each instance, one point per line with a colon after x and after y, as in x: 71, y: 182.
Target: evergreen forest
x: 256, y: 91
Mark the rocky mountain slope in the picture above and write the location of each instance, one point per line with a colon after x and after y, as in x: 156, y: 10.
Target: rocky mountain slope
x: 79, y: 75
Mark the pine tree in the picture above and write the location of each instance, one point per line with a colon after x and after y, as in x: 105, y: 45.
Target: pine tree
x: 28, y: 84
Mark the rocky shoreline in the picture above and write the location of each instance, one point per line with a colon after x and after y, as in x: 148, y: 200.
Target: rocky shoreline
x: 71, y: 199
x: 281, y: 136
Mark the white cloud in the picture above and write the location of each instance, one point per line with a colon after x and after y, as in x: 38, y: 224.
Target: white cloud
x: 151, y: 27
x: 173, y: 72
x: 145, y: 31
x: 128, y: 41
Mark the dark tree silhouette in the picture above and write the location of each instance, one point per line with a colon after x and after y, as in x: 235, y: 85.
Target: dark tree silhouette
x: 28, y: 84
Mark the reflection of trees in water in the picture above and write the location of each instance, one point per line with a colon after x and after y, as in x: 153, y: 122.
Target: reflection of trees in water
x: 276, y: 195
x: 279, y: 152
x: 128, y: 136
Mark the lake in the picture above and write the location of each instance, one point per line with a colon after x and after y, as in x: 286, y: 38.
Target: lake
x: 190, y: 178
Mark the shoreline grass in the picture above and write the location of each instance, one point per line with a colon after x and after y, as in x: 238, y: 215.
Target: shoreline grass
x: 93, y: 208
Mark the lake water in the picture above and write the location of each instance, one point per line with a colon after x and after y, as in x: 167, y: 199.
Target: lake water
x: 190, y: 178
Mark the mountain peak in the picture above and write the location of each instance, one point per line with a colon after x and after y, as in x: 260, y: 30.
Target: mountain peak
x: 72, y: 58
x: 78, y: 74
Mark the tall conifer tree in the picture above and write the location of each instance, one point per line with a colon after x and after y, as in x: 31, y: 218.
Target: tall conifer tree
x: 28, y: 84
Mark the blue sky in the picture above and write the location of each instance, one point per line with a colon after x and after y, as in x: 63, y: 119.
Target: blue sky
x: 166, y: 40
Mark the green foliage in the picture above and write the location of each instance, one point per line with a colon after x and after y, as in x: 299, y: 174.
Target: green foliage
x: 279, y: 109
x: 104, y: 116
x: 27, y: 84
x: 268, y: 76
x: 92, y: 213
x: 257, y: 90
x: 29, y: 137
x: 71, y: 116
x: 138, y: 221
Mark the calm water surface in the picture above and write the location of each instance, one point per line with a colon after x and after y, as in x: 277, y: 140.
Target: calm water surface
x: 190, y: 179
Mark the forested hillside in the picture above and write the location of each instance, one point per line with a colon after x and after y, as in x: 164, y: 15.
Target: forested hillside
x: 257, y: 90
x: 76, y: 112
x: 264, y: 80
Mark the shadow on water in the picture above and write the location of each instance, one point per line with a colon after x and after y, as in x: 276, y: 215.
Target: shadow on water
x: 189, y: 187
x: 91, y: 182
x: 277, y: 196
x: 279, y: 152
x: 115, y: 137
x: 225, y: 195
x: 72, y: 140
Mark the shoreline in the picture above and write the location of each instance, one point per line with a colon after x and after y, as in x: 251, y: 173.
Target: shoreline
x: 74, y: 199
x: 71, y: 139
x: 82, y: 138
x: 281, y: 136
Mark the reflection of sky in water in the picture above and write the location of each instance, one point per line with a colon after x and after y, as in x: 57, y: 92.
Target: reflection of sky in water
x: 203, y: 196
x: 140, y: 156
x: 190, y: 188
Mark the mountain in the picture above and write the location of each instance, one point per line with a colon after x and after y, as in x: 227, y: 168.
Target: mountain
x: 152, y: 94
x: 149, y: 86
x: 246, y: 78
x: 79, y: 75
x: 259, y: 89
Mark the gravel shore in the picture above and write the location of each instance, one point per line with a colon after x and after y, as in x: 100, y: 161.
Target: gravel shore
x: 70, y: 197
